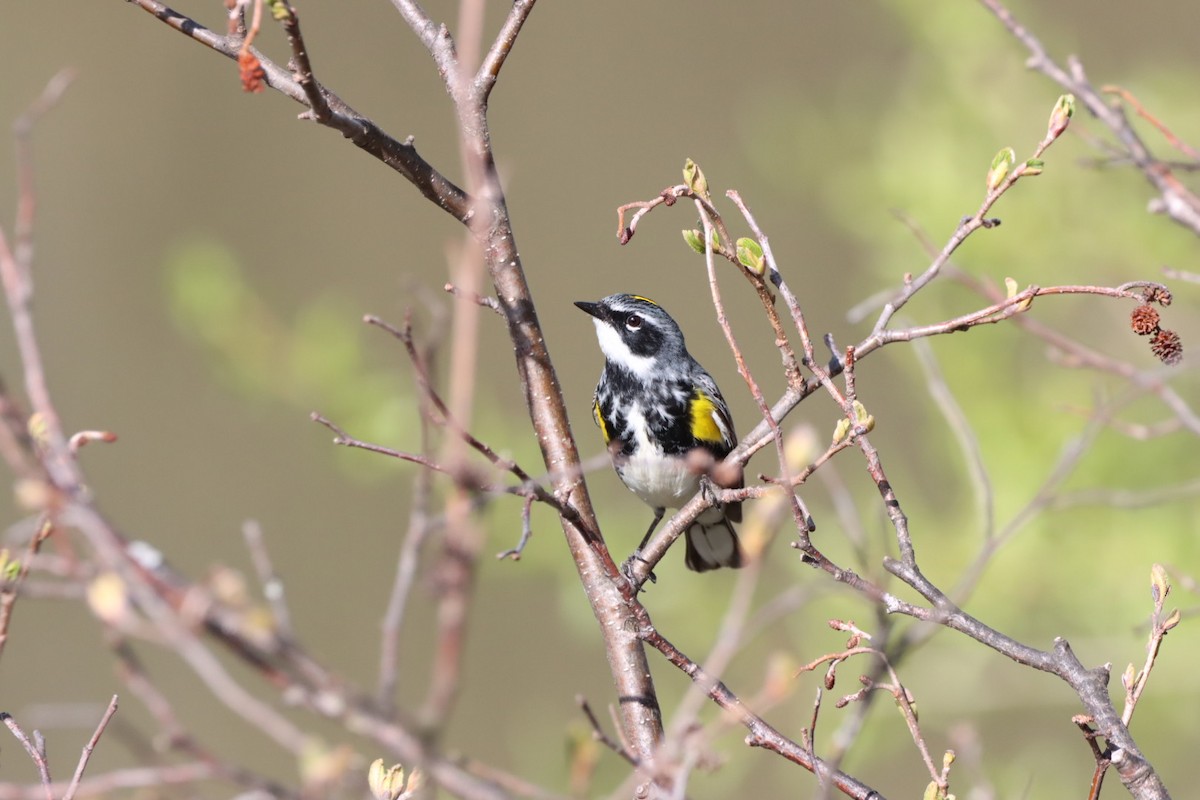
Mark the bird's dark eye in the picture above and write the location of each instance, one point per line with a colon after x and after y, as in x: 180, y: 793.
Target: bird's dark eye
x: 633, y: 322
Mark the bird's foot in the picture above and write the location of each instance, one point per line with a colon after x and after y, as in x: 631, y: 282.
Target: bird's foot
x: 627, y: 569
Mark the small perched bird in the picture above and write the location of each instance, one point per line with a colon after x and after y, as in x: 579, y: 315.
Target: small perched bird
x: 655, y: 405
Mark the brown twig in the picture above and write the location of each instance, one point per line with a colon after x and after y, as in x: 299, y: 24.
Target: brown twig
x: 89, y: 748
x: 600, y: 736
x: 1142, y: 112
x: 363, y: 132
x: 149, y: 778
x: 10, y: 589
x: 791, y: 368
x: 50, y: 97
x: 445, y: 417
x: 497, y: 54
x: 420, y: 528
x: 967, y: 227
x: 17, y: 280
x: 489, y: 303
x: 36, y: 753
x: 1084, y: 723
x: 268, y: 578
x: 761, y: 734
x: 514, y: 554
x: 1160, y: 625
x: 801, y: 515
x: 902, y: 696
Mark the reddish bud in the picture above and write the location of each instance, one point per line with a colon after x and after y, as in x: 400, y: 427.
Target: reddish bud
x: 251, y: 71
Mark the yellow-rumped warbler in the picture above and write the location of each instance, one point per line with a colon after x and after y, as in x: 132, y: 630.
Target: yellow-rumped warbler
x: 654, y: 405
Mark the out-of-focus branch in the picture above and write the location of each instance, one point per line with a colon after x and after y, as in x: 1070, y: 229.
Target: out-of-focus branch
x: 150, y: 778
x: 35, y: 747
x: 15, y: 274
x: 10, y: 589
x: 457, y: 562
x: 88, y: 749
x: 1175, y: 200
x: 141, y: 685
x: 420, y: 527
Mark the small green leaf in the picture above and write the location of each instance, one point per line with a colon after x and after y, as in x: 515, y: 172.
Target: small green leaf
x: 862, y: 418
x: 694, y: 239
x: 841, y: 430
x: 385, y: 783
x: 1033, y: 166
x: 694, y: 178
x: 750, y: 255
x: 1160, y: 584
x: 1001, y: 165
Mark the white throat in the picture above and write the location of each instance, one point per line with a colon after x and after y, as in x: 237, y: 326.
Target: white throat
x: 616, y: 351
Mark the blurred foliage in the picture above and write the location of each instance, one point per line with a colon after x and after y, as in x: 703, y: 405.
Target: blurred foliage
x: 319, y: 353
x: 925, y: 155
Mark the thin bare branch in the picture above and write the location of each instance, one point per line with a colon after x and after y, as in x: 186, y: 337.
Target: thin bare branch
x: 514, y: 554
x: 599, y: 735
x: 150, y: 778
x: 50, y: 97
x: 10, y: 589
x: 363, y: 132
x: 1175, y: 200
x: 36, y: 753
x: 89, y: 748
x: 493, y: 61
x: 272, y: 584
x: 964, y: 434
x: 761, y: 733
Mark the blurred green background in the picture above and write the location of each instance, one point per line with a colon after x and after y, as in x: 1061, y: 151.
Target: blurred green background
x: 204, y: 261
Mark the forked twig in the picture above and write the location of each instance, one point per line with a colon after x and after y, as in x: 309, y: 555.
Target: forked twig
x: 89, y: 748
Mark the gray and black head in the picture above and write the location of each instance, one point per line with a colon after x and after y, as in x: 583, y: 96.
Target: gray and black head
x: 636, y: 333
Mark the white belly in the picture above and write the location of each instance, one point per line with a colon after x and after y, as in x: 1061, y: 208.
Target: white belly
x: 660, y: 481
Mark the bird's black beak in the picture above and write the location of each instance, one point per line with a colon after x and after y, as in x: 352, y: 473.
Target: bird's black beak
x: 592, y: 308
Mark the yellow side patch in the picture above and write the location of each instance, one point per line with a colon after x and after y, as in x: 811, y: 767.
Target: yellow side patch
x: 704, y: 419
x: 600, y: 420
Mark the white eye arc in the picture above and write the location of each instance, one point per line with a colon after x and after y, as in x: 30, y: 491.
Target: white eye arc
x: 633, y: 322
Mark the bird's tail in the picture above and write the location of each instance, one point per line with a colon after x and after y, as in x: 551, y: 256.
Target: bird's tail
x: 713, y: 545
